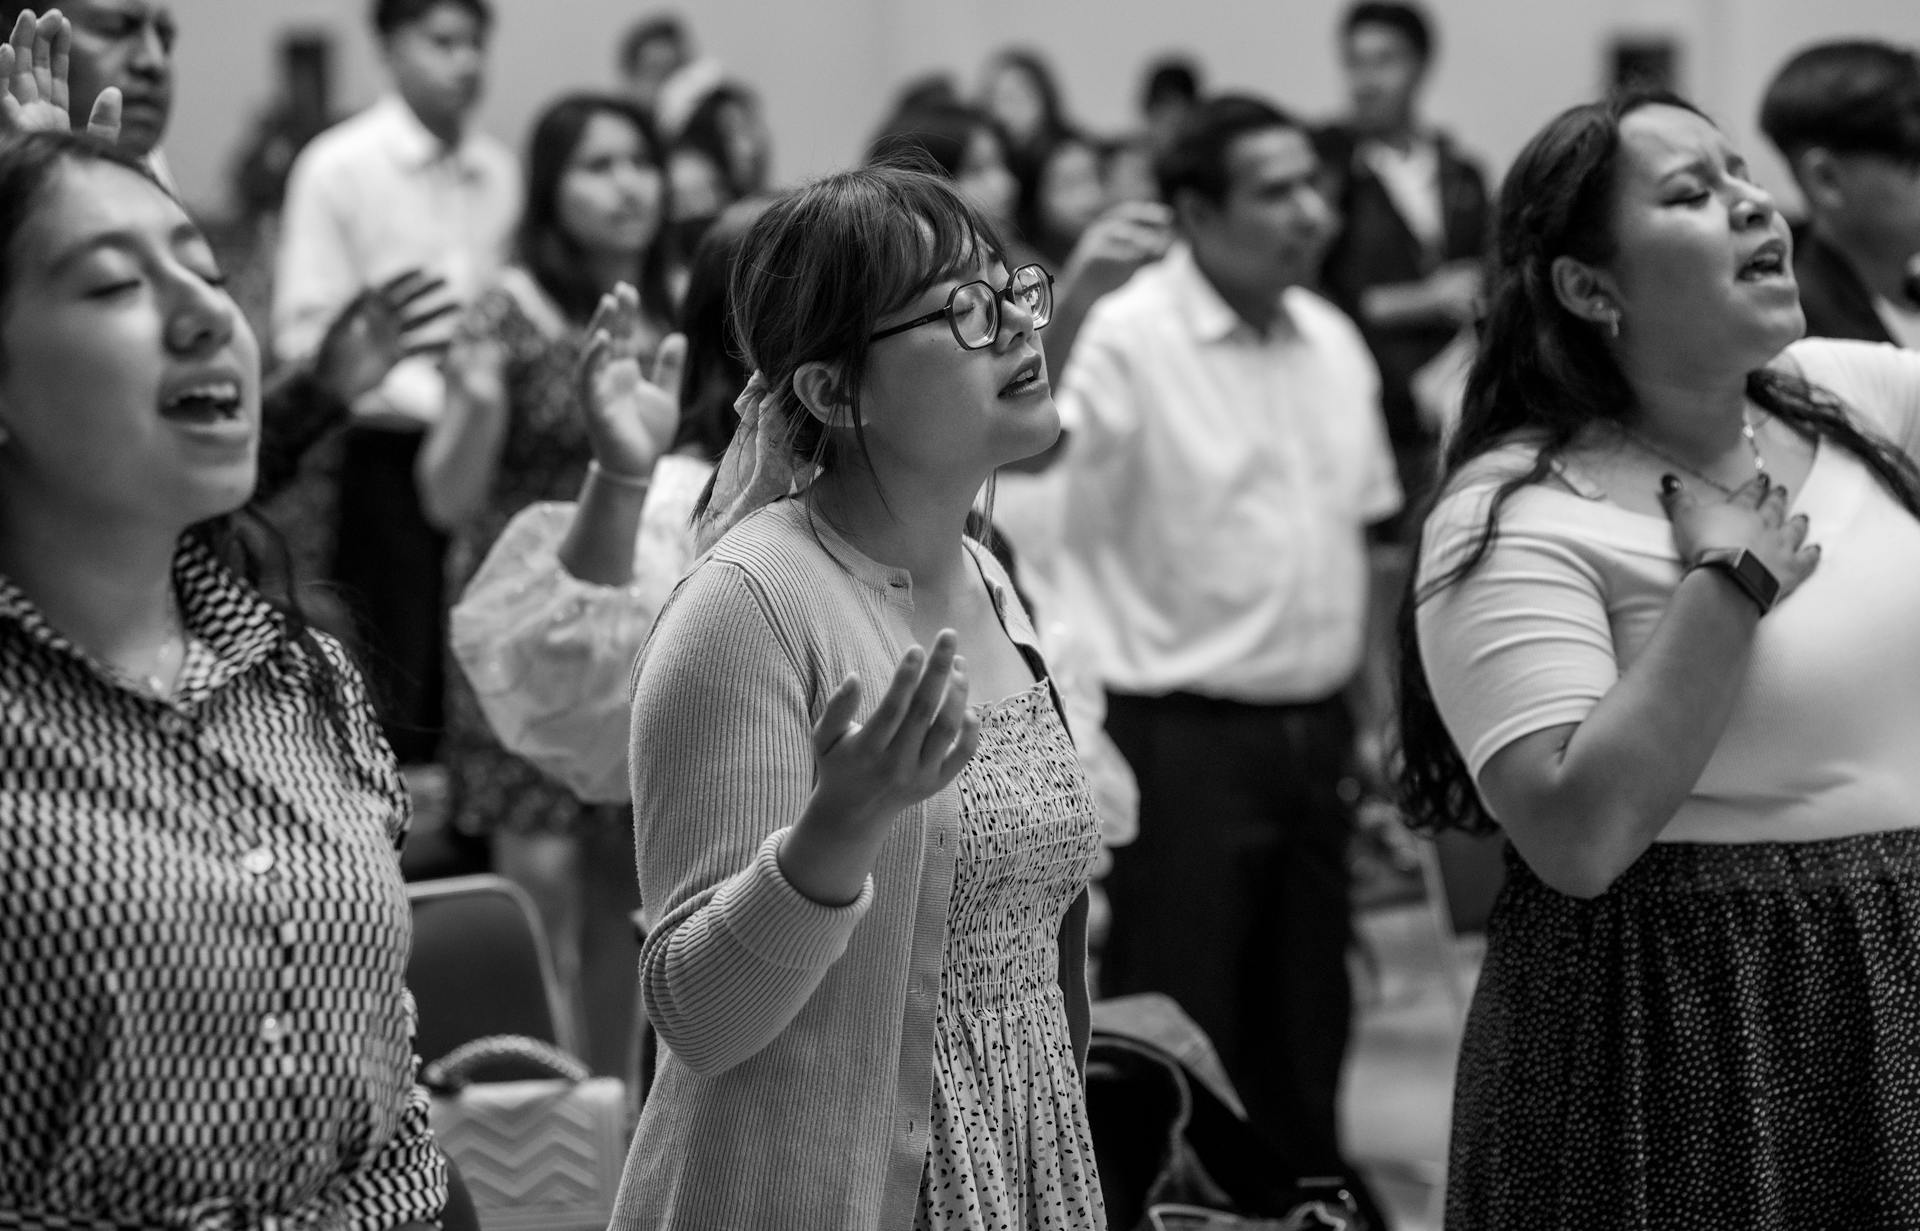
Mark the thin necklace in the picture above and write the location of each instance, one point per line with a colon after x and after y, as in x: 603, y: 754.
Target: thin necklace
x: 1747, y: 433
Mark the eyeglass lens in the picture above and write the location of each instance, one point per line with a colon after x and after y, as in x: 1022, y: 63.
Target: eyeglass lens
x: 976, y: 307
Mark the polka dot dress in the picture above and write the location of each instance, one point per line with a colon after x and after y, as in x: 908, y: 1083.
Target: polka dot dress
x: 1729, y: 1037
x: 1010, y: 1148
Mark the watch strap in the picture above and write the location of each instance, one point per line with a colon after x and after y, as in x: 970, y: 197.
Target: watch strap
x: 1745, y: 570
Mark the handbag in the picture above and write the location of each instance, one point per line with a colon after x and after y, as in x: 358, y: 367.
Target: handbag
x: 1174, y: 1148
x: 543, y: 1154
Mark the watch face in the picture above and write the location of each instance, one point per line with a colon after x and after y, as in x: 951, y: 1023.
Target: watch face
x: 1758, y: 578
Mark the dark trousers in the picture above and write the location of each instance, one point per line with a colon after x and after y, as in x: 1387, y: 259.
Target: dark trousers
x: 1233, y: 899
x: 390, y: 566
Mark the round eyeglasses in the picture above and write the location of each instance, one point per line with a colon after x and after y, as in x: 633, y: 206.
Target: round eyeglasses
x: 972, y: 311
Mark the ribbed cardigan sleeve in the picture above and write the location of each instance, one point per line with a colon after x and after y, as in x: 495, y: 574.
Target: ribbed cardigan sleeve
x: 722, y: 763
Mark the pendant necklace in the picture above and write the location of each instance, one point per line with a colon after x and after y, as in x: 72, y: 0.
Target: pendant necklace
x: 1747, y: 433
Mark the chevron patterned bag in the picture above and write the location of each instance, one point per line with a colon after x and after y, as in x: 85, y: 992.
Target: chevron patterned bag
x: 537, y: 1155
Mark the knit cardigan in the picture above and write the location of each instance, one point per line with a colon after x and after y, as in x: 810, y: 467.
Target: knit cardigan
x: 796, y: 1074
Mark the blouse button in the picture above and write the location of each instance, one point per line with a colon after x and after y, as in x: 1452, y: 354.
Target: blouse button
x: 273, y: 1031
x: 258, y: 861
x: 289, y: 934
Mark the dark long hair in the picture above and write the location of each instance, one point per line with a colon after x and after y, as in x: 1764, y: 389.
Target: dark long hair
x: 244, y: 541
x: 716, y: 367
x: 825, y: 263
x: 554, y: 258
x: 1542, y: 375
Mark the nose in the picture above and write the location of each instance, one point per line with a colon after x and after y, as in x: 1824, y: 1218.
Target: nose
x: 1754, y: 208
x: 1316, y: 215
x: 1016, y: 319
x: 202, y: 317
x: 151, y: 57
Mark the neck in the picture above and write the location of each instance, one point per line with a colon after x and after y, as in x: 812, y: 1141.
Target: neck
x: 450, y: 129
x: 106, y: 587
x: 1261, y: 307
x: 918, y: 528
x: 609, y: 269
x: 1883, y: 270
x: 1698, y: 417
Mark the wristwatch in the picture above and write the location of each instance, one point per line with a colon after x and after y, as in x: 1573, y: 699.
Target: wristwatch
x: 1745, y: 570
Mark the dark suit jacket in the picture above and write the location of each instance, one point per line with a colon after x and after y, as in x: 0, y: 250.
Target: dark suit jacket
x: 1374, y: 247
x: 1837, y: 303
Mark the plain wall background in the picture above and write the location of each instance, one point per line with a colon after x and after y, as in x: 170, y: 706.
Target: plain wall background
x: 828, y: 69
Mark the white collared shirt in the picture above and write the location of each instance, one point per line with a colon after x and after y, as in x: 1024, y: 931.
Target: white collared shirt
x: 1220, y: 484
x: 372, y: 197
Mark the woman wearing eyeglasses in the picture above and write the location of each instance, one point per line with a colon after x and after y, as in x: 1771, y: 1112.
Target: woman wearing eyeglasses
x: 863, y: 836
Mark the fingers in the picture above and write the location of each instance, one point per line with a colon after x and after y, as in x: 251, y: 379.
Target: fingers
x: 58, y: 56
x: 46, y: 34
x: 104, y: 120
x: 962, y: 751
x: 836, y: 720
x: 670, y: 365
x: 436, y: 348
x: 949, y: 720
x: 429, y: 315
x: 19, y: 63
x: 931, y: 693
x: 1674, y: 495
x: 885, y: 720
x: 601, y: 320
x: 1797, y: 527
x: 408, y: 287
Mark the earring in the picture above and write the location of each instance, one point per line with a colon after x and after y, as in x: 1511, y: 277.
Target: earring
x: 1611, y: 315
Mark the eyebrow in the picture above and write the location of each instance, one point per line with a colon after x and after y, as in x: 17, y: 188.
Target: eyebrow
x: 123, y: 240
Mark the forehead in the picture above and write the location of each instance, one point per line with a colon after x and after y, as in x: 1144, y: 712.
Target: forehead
x: 84, y: 200
x: 447, y: 20
x: 606, y: 132
x: 1659, y: 139
x: 1372, y: 39
x: 130, y: 8
x: 1269, y: 155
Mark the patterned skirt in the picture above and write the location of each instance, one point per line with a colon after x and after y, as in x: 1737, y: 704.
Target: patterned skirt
x: 1728, y: 1038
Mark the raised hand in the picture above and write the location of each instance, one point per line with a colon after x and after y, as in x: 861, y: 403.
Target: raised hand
x: 33, y: 70
x: 378, y: 328
x: 1119, y: 242
x: 631, y: 418
x: 1753, y: 517
x: 914, y: 743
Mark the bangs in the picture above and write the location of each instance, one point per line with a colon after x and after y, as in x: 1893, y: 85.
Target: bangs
x: 925, y: 235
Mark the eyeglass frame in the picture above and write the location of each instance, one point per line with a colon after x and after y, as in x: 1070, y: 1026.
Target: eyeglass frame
x: 994, y: 299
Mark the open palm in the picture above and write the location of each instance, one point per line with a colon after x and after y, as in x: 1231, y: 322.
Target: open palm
x: 33, y: 71
x: 631, y: 417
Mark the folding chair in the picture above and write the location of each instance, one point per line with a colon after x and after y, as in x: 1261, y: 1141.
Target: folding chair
x: 480, y: 966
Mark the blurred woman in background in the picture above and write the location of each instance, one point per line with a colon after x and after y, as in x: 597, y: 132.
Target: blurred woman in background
x: 512, y: 435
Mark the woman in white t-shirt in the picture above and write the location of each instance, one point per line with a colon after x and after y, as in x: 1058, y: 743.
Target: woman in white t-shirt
x: 1663, y: 639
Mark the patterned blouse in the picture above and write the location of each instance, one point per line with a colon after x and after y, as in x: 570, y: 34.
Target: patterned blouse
x: 203, y: 937
x: 544, y: 457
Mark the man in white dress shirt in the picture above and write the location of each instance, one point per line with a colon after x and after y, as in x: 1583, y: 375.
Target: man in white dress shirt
x: 1226, y: 459
x: 406, y: 184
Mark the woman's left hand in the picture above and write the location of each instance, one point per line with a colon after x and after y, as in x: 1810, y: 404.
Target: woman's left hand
x: 630, y: 417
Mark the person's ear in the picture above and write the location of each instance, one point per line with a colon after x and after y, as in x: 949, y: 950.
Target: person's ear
x: 1586, y: 292
x: 825, y: 391
x: 1192, y: 210
x: 1822, y: 180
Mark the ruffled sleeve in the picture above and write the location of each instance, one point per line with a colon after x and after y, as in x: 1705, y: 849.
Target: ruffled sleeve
x: 549, y: 656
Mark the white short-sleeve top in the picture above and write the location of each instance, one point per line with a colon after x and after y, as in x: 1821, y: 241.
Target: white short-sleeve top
x: 1824, y: 740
